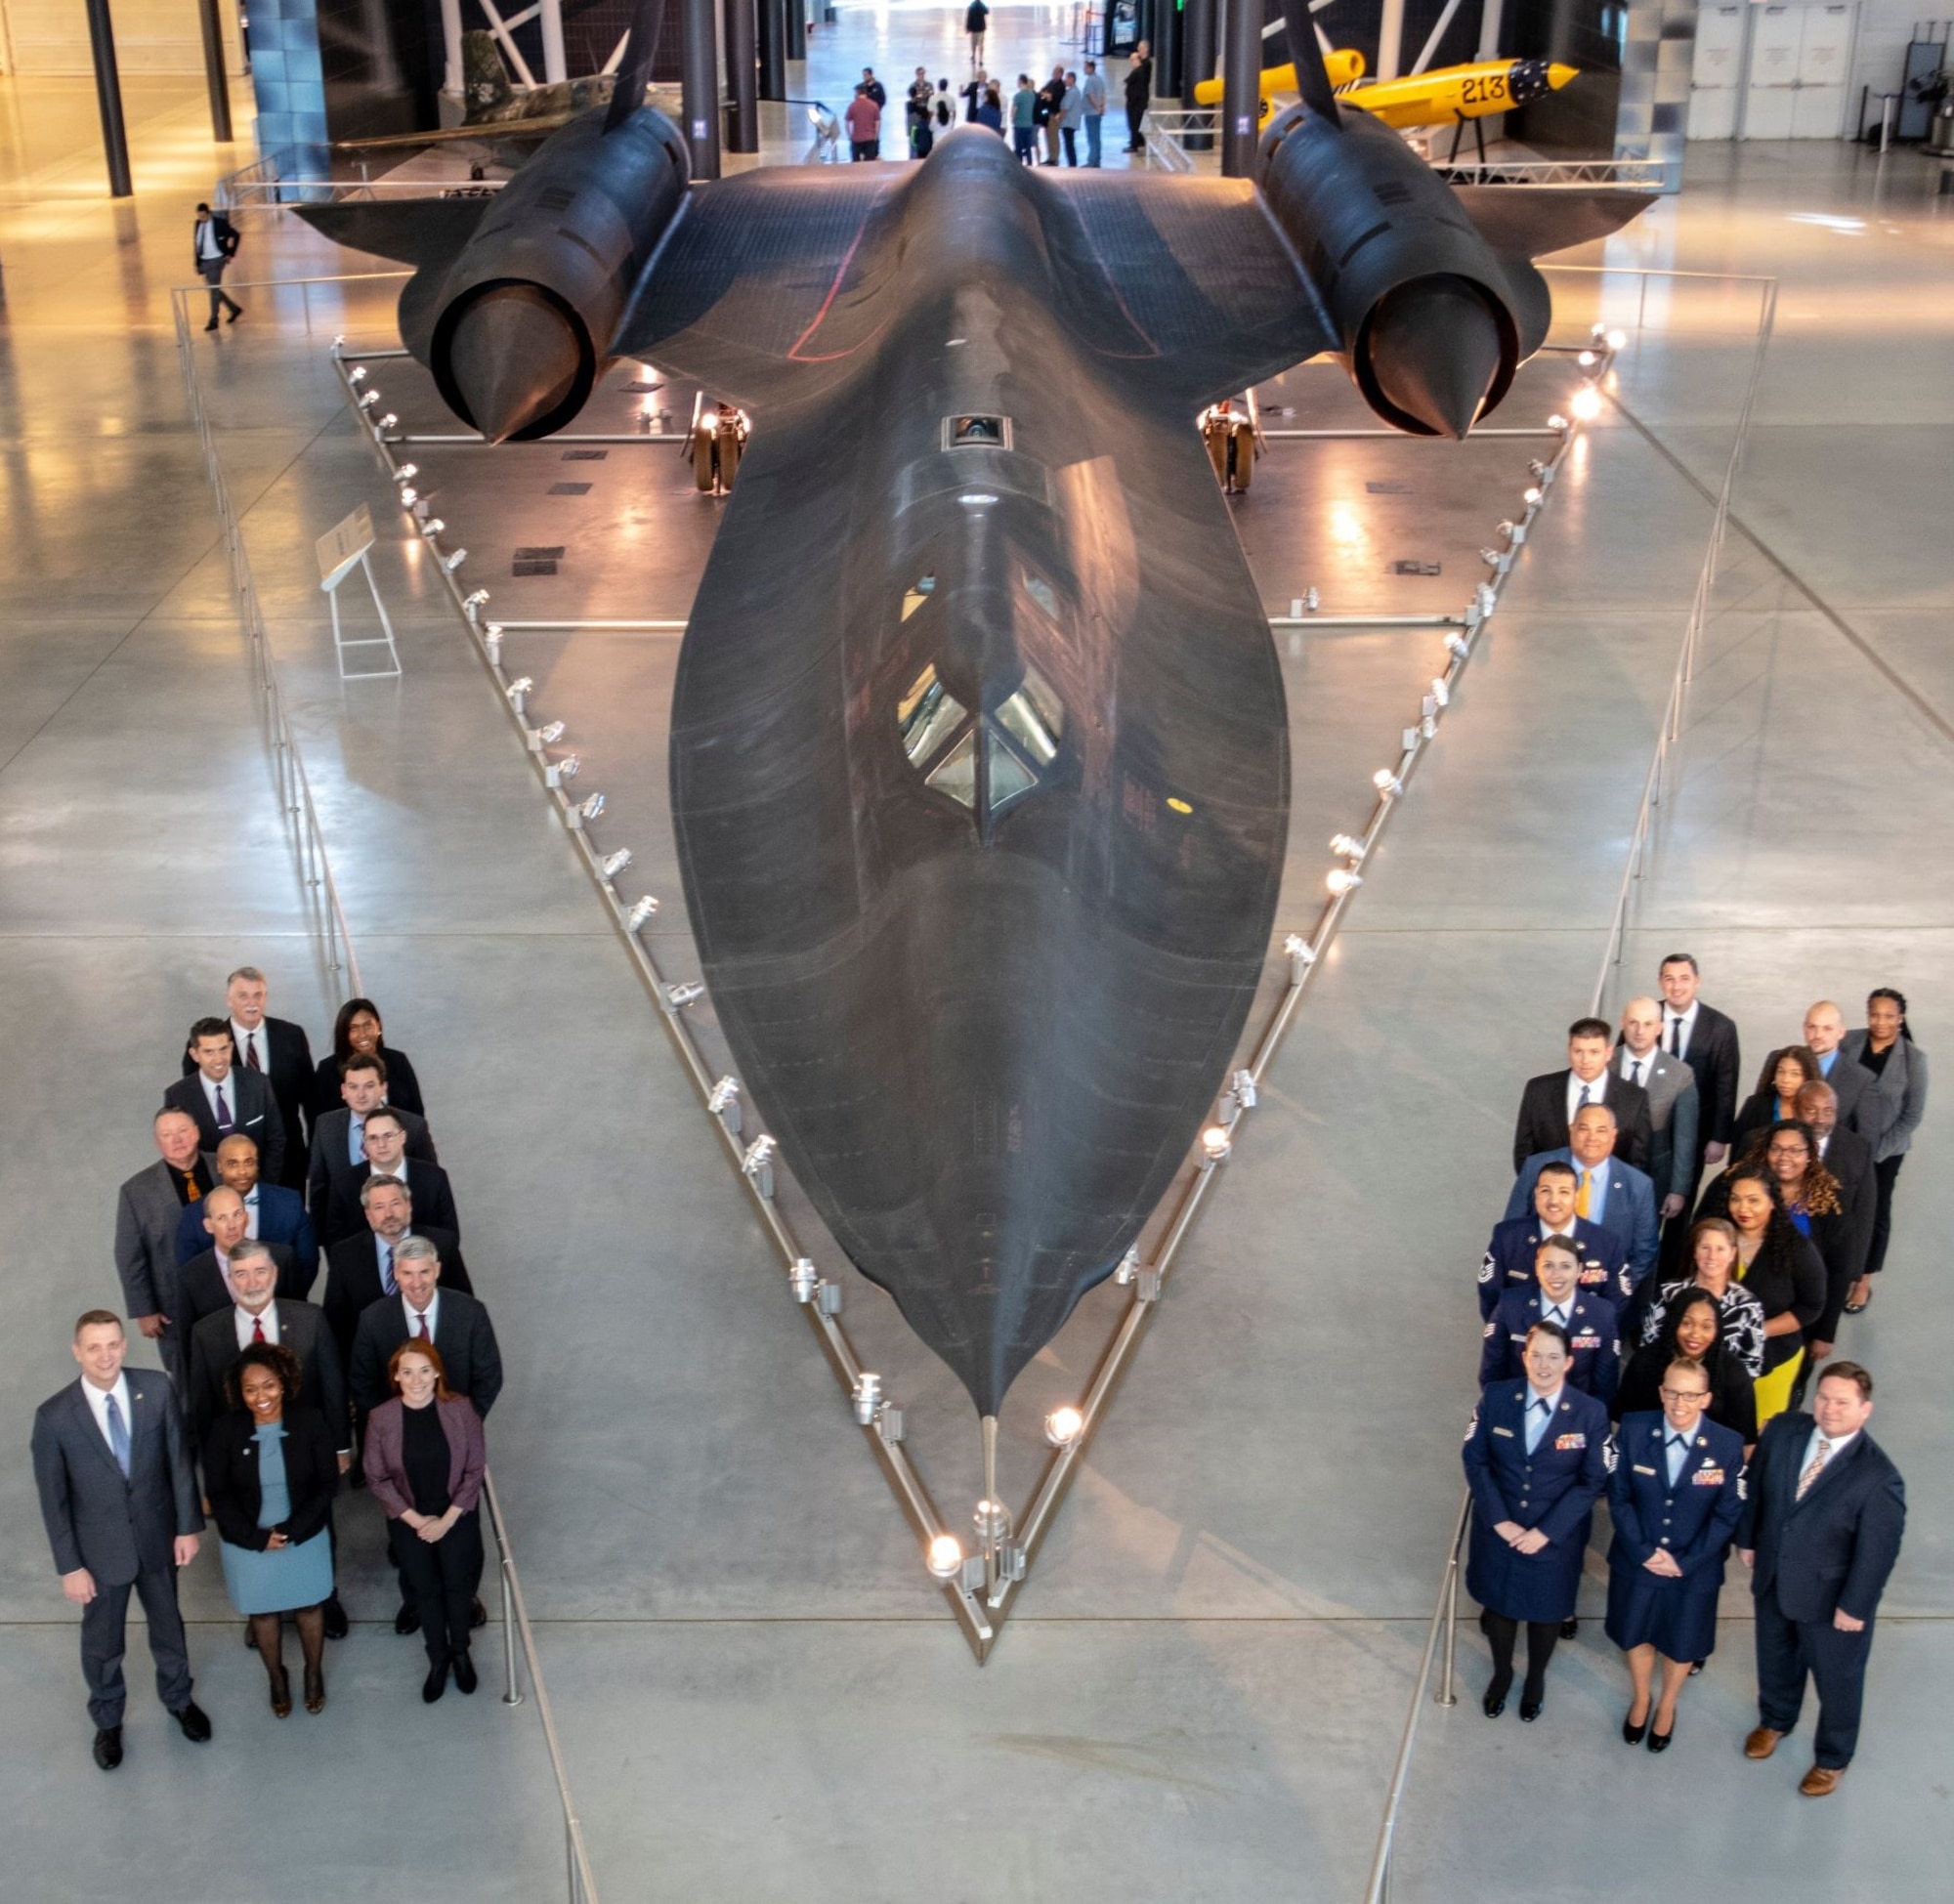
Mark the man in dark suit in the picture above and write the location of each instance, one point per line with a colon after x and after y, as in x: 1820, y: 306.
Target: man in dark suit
x: 205, y: 1279
x: 1549, y: 1103
x: 1707, y: 1042
x: 1820, y: 1531
x: 386, y: 1139
x: 119, y: 1502
x: 1824, y: 1029
x: 1675, y: 1109
x: 1849, y: 1157
x: 338, y: 1138
x: 278, y: 1049
x: 360, y: 1271
x: 223, y: 1099
x: 146, y: 1225
x: 271, y: 1212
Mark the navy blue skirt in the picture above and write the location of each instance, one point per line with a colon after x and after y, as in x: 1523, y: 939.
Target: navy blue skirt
x: 1677, y: 1616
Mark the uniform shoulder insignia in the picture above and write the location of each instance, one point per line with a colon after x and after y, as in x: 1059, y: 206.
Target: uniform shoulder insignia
x: 1488, y: 1329
x: 1609, y: 1454
x: 1472, y: 1427
x: 1744, y: 1484
x: 1487, y: 1267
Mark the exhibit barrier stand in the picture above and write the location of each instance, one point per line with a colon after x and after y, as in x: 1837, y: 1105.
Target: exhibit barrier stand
x: 1445, y: 1615
x: 341, y: 964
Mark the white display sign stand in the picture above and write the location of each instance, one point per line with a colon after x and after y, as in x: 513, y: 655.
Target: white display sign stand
x: 341, y: 550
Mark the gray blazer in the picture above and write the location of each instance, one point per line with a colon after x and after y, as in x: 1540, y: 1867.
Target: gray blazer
x: 1890, y: 1107
x: 146, y: 1215
x: 1674, y: 1110
x: 95, y: 1518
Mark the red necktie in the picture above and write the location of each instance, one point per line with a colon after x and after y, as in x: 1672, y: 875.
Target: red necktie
x: 421, y: 1326
x: 251, y: 1051
x: 257, y: 1329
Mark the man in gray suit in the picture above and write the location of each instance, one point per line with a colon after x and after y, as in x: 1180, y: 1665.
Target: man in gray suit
x: 146, y: 1215
x: 1674, y: 1106
x: 120, y: 1504
x: 1824, y: 1028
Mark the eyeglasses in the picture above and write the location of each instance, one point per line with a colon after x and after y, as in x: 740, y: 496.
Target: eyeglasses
x: 1680, y: 1395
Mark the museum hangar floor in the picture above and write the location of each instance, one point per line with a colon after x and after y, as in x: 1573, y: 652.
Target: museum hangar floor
x: 759, y: 1694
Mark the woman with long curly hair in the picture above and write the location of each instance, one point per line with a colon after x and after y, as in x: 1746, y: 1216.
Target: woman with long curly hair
x: 1783, y: 1270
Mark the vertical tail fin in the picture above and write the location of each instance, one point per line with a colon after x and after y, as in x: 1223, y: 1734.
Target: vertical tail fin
x: 1312, y: 80
x: 634, y: 71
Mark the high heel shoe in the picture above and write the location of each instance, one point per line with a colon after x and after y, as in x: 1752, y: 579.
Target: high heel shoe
x: 1631, y: 1733
x: 315, y: 1689
x: 281, y: 1694
x: 1659, y: 1741
x: 435, y: 1684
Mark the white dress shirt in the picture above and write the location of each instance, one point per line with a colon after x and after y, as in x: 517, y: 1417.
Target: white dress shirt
x: 432, y: 1312
x: 239, y: 1034
x: 230, y: 1090
x: 247, y: 1322
x: 1840, y: 1443
x: 98, y: 1402
x: 1580, y: 1093
x: 1670, y: 1018
x: 208, y: 250
x: 1636, y: 1070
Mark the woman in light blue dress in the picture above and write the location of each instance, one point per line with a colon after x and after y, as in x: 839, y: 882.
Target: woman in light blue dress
x: 269, y: 1472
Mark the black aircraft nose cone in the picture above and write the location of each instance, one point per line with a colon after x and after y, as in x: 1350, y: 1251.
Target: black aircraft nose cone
x: 515, y: 358
x: 1434, y: 351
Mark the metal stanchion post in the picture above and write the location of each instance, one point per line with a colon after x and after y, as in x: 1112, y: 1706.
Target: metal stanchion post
x: 1447, y: 1695
x: 513, y: 1695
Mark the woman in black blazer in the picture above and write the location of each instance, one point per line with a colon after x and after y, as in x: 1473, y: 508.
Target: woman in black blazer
x: 1692, y: 1331
x: 1783, y: 1270
x: 357, y: 1028
x: 269, y: 1472
x: 1776, y: 1098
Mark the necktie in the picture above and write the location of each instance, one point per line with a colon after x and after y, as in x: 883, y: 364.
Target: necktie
x: 1537, y: 1412
x: 251, y: 1050
x: 1820, y: 1456
x: 1638, y: 1078
x: 356, y: 1141
x: 257, y: 1329
x: 1554, y: 1314
x: 386, y: 1267
x: 421, y: 1326
x: 118, y: 1438
x: 1675, y: 1038
x: 223, y: 1111
x: 192, y: 1189
x: 1581, y: 1202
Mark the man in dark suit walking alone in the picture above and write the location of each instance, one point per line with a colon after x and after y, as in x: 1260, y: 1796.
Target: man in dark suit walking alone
x: 1820, y: 1532
x: 119, y: 1502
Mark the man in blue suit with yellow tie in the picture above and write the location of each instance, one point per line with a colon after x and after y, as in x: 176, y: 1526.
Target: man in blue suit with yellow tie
x: 1613, y: 1193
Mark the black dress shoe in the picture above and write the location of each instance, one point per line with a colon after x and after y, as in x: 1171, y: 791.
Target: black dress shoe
x: 1494, y: 1700
x: 464, y: 1672
x: 435, y: 1684
x: 1631, y: 1733
x: 478, y: 1616
x: 334, y: 1620
x: 108, y: 1746
x: 1530, y: 1707
x: 1696, y: 1668
x: 1659, y: 1741
x: 212, y: 326
x: 409, y: 1619
x: 193, y: 1722
x: 1570, y: 1629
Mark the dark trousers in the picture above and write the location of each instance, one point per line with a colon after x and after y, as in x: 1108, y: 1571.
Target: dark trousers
x: 1883, y: 1174
x: 1135, y: 115
x: 1788, y: 1650
x: 105, y: 1624
x: 864, y: 149
x: 1070, y: 134
x: 1502, y: 1632
x: 442, y: 1578
x: 212, y: 272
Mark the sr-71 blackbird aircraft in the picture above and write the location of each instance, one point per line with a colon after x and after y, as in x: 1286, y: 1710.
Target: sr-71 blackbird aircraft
x: 979, y: 749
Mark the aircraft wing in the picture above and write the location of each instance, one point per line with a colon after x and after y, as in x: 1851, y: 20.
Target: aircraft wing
x: 769, y: 283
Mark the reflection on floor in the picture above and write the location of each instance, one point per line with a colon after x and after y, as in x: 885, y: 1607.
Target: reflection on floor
x: 1203, y: 1689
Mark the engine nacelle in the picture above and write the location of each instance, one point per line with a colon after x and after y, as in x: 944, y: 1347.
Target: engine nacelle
x: 1433, y: 323
x: 517, y: 329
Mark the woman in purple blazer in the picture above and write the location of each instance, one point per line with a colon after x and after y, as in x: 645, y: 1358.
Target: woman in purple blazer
x: 424, y: 1462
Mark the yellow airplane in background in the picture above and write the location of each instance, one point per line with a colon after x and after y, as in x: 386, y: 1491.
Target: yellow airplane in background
x: 1445, y: 95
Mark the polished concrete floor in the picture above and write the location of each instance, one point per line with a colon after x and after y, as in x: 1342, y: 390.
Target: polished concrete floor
x: 759, y: 1694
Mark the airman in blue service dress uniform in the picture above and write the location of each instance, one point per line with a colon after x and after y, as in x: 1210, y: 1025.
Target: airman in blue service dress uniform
x: 1593, y: 1341
x: 1674, y: 1496
x: 1508, y: 1263
x: 1536, y: 1457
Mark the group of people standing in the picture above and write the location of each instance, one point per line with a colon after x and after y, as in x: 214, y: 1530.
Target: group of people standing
x: 1656, y: 1349
x: 268, y: 1166
x: 1046, y: 123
